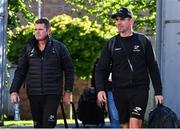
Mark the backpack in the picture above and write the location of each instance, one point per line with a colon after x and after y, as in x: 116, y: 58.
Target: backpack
x: 141, y: 38
x: 162, y: 117
x: 88, y: 111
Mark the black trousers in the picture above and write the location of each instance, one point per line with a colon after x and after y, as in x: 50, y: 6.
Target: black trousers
x: 44, y: 110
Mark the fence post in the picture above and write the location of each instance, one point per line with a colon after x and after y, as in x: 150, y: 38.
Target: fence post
x: 3, y: 27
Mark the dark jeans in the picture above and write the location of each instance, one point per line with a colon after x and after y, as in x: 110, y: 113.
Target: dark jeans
x: 44, y: 110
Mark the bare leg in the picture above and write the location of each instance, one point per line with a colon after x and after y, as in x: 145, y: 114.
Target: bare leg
x: 135, y: 123
x: 125, y: 125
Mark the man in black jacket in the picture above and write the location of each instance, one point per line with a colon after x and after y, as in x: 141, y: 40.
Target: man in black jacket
x: 42, y: 63
x: 132, y: 63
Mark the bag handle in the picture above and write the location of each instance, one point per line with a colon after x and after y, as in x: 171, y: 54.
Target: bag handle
x: 159, y: 105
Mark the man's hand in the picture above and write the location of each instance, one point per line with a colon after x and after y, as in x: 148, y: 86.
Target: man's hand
x: 14, y: 97
x: 66, y: 97
x: 102, y: 99
x: 159, y: 99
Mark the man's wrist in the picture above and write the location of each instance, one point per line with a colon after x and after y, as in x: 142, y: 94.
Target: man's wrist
x: 68, y: 91
x: 14, y: 93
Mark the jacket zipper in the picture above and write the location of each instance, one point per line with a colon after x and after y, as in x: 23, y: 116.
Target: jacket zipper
x: 130, y: 65
x: 42, y: 88
x: 132, y: 70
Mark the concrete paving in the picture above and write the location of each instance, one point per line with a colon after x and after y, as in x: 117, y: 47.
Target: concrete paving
x: 106, y: 125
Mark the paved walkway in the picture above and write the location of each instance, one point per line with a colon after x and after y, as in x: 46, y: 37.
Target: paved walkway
x: 107, y: 125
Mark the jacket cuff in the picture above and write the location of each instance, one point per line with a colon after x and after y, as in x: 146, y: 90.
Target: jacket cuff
x: 158, y: 92
x: 68, y: 91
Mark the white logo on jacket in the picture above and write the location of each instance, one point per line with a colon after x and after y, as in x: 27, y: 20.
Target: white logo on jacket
x: 136, y: 48
x: 32, y: 52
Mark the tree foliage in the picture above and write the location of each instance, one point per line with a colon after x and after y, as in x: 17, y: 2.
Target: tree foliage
x: 83, y: 38
x: 143, y: 10
x: 17, y: 11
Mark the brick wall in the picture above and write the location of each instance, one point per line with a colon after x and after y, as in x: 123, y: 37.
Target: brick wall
x: 51, y: 8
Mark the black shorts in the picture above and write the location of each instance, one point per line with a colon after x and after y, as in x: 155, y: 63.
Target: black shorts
x: 131, y: 103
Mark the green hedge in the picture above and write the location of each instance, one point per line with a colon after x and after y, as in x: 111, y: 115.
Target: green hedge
x: 83, y: 38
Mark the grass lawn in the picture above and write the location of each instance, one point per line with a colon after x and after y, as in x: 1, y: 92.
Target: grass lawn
x: 30, y: 122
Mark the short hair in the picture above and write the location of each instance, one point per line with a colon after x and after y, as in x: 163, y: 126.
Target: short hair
x: 44, y: 21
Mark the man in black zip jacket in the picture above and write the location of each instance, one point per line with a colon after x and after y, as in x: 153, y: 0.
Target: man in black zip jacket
x: 42, y: 63
x: 132, y: 64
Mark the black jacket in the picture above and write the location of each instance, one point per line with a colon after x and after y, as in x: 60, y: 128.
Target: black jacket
x: 143, y: 64
x: 43, y: 71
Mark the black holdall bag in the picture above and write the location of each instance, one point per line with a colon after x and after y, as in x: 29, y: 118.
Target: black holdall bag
x: 162, y: 117
x: 88, y: 111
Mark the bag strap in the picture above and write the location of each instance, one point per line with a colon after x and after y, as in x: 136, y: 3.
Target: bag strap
x: 111, y: 45
x: 111, y: 48
x: 143, y: 41
x: 129, y: 62
x: 64, y: 115
x: 56, y: 48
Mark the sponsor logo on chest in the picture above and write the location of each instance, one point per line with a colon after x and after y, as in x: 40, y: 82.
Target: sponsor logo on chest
x: 136, y: 48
